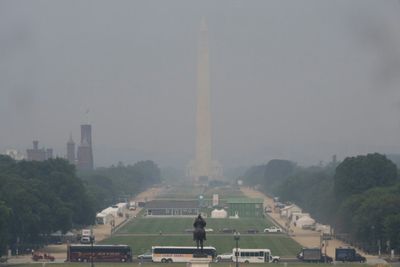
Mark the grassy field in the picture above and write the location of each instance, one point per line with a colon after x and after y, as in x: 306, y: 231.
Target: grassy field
x: 179, y: 225
x: 280, y: 245
x: 143, y: 233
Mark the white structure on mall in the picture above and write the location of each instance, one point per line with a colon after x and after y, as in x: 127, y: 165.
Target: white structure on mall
x: 219, y: 213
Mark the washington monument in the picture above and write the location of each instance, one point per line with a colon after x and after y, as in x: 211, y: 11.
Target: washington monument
x: 203, y: 168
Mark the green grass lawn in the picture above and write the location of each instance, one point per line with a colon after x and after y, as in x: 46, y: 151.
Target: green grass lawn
x: 280, y: 245
x: 144, y: 232
x: 178, y: 225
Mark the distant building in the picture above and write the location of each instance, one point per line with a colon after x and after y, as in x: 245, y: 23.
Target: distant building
x: 172, y: 208
x: 71, y: 150
x: 38, y: 154
x: 86, y: 134
x: 49, y: 153
x: 85, y: 151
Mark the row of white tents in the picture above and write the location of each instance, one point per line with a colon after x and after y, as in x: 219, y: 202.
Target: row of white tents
x: 296, y: 217
x: 108, y: 215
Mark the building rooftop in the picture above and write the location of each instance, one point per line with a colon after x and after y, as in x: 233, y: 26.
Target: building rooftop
x: 167, y: 204
x: 244, y: 200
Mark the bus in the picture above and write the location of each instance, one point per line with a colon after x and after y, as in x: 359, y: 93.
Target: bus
x: 253, y: 255
x: 110, y: 253
x: 168, y: 254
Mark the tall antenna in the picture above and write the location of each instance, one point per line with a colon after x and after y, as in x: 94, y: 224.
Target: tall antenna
x: 87, y: 116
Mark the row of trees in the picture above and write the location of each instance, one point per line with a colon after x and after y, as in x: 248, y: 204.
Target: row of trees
x: 359, y: 196
x: 367, y: 197
x: 117, y: 183
x: 39, y: 198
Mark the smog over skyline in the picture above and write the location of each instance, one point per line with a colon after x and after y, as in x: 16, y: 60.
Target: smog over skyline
x: 297, y: 80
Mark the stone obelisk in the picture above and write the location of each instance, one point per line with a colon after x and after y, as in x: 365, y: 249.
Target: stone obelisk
x: 203, y: 165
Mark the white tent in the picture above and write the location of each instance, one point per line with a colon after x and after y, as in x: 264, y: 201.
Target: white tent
x: 325, y: 229
x: 288, y: 210
x: 104, y: 218
x: 305, y: 221
x: 298, y: 215
x: 219, y: 213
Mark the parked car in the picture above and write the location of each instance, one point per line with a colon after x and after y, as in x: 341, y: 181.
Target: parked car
x: 224, y: 257
x: 273, y: 229
x: 252, y: 231
x: 348, y: 255
x: 279, y: 205
x: 145, y: 257
x: 85, y: 240
x: 268, y: 209
x: 208, y: 229
x: 313, y: 255
x: 45, y: 256
x: 227, y: 230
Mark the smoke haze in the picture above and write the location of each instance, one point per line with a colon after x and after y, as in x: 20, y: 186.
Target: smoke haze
x: 300, y: 80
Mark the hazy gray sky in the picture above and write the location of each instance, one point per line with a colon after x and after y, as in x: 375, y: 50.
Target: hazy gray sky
x: 299, y: 80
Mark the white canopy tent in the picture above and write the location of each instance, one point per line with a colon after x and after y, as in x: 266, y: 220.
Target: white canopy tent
x: 219, y: 213
x: 305, y: 221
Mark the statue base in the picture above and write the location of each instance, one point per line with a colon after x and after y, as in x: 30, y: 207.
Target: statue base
x: 199, y: 260
x: 199, y: 254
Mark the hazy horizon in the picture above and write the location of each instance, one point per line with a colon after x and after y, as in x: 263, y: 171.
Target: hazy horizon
x: 296, y: 80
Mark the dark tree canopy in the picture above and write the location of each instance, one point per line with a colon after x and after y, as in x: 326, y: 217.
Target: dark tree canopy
x: 358, y: 174
x: 270, y: 175
x: 109, y: 185
x: 359, y: 197
x: 38, y: 198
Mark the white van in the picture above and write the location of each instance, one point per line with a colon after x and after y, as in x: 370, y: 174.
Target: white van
x: 252, y: 255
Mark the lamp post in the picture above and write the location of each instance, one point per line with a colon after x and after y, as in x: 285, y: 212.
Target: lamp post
x: 236, y: 236
x: 373, y: 238
x: 91, y: 250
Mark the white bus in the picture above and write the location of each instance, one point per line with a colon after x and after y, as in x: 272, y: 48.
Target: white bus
x: 254, y: 255
x: 170, y: 254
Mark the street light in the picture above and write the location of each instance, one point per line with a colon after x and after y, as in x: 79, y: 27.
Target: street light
x: 236, y: 236
x: 91, y: 250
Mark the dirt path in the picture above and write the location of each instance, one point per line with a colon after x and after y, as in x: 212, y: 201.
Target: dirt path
x: 305, y: 238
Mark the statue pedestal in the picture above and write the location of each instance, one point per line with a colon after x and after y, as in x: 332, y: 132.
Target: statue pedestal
x: 198, y: 261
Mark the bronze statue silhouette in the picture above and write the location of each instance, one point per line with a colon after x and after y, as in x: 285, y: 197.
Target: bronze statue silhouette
x: 199, y: 234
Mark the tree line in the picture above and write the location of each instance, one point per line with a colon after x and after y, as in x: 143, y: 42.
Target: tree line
x: 359, y: 197
x: 39, y: 198
x: 121, y: 182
